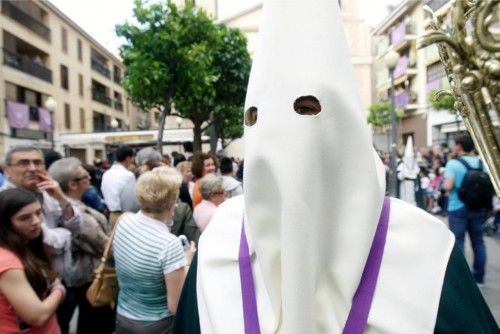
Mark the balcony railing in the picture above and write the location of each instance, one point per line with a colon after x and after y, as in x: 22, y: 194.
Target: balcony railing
x: 401, y: 67
x: 100, y: 67
x: 403, y: 99
x: 101, y: 97
x: 118, y: 105
x: 10, y: 9
x: 399, y: 33
x: 25, y: 64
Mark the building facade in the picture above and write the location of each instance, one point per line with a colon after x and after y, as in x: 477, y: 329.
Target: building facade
x: 56, y: 79
x: 418, y: 73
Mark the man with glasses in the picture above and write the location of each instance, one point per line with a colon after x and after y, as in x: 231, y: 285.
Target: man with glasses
x: 25, y: 168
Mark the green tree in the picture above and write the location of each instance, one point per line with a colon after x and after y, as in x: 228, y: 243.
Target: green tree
x: 232, y: 62
x: 170, y: 56
x: 380, y: 114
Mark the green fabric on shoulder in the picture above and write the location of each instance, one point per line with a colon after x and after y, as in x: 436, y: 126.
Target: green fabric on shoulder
x: 186, y: 319
x: 462, y: 308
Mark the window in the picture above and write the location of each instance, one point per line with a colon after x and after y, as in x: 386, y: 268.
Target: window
x: 435, y: 71
x: 82, y: 119
x: 64, y: 77
x: 64, y: 39
x: 80, y: 84
x: 67, y: 116
x: 79, y: 49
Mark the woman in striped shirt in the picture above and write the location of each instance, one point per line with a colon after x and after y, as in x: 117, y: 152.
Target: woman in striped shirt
x: 150, y: 261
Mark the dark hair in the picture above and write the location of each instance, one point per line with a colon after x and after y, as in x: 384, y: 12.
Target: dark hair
x: 198, y: 159
x: 226, y: 165
x: 179, y: 158
x: 123, y: 152
x: 50, y: 157
x: 188, y: 146
x: 239, y: 173
x: 466, y: 142
x: 36, y: 262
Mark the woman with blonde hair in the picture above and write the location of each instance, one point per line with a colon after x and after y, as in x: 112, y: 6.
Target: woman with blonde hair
x: 150, y: 261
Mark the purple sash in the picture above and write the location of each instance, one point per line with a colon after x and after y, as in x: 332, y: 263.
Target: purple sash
x: 362, y: 300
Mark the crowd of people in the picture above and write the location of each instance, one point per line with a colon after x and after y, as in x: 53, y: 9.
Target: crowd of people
x: 432, y: 179
x: 58, y: 214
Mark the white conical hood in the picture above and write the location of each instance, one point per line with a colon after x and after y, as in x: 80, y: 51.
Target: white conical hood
x: 313, y: 184
x: 409, y: 157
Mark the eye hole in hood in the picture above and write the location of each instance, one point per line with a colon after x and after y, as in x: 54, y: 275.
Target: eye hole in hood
x: 251, y: 116
x: 307, y: 106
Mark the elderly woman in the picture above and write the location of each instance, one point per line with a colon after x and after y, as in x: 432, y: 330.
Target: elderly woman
x: 213, y: 194
x: 88, y: 246
x: 149, y: 260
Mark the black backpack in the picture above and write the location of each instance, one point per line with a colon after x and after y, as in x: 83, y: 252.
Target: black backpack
x: 476, y: 189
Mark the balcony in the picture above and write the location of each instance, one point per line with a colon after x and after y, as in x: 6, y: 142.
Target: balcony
x: 27, y: 65
x: 101, y: 97
x: 404, y: 68
x: 100, y: 67
x: 118, y: 105
x: 401, y: 35
x: 11, y: 10
x: 405, y: 100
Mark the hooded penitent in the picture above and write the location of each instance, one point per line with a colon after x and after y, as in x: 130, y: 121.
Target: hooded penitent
x: 314, y: 190
x: 408, y: 173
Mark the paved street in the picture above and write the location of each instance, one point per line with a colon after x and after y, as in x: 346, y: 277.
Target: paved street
x: 491, y: 289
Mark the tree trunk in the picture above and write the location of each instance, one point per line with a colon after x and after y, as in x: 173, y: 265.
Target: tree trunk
x: 196, y: 136
x: 167, y: 109
x: 213, y: 134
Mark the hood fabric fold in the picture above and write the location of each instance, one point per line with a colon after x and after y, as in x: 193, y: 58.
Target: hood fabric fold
x: 303, y: 173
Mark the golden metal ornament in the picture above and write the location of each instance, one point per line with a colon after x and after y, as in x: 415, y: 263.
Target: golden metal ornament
x: 470, y: 53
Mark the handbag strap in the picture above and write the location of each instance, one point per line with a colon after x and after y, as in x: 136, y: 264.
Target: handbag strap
x: 105, y: 254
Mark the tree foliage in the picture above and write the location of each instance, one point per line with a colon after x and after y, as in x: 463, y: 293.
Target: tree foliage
x: 178, y: 56
x: 380, y: 114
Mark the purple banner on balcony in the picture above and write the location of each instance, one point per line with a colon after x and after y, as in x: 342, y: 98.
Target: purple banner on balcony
x: 401, y: 67
x: 398, y: 34
x: 434, y: 84
x: 45, y: 120
x: 18, y: 115
x: 402, y: 99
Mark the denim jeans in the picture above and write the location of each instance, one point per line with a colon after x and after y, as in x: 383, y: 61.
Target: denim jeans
x: 469, y: 220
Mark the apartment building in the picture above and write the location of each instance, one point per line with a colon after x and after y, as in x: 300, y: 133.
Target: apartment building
x: 416, y: 75
x: 55, y: 79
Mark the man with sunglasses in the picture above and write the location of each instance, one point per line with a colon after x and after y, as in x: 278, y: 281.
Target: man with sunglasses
x: 25, y: 168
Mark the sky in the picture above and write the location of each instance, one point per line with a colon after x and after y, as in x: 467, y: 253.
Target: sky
x: 99, y: 17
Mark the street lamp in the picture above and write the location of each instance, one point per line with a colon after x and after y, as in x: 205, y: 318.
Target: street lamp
x: 51, y: 105
x: 114, y: 123
x: 391, y: 61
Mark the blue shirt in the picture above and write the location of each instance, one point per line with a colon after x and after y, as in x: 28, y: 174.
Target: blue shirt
x: 456, y: 170
x: 144, y: 251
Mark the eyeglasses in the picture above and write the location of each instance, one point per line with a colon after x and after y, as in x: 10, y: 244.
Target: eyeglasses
x: 220, y: 192
x: 78, y: 179
x: 26, y: 162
